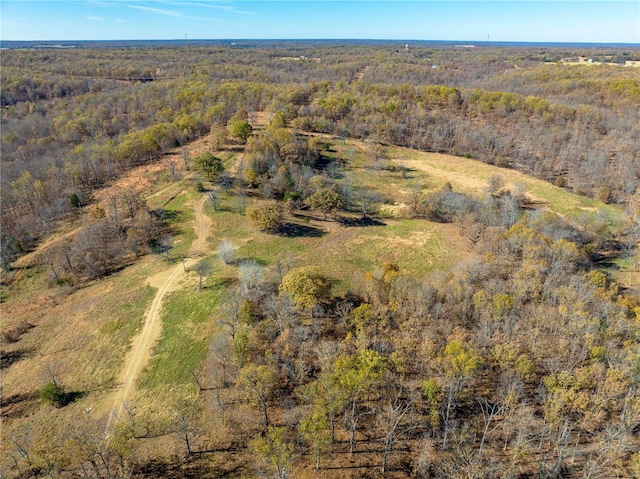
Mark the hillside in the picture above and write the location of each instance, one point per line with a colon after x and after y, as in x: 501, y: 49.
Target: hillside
x: 308, y: 259
x: 466, y: 330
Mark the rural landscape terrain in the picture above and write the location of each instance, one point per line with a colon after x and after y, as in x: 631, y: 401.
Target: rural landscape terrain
x: 320, y: 259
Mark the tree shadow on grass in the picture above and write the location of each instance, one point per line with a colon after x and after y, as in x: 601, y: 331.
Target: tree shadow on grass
x: 187, y: 468
x: 165, y: 214
x: 7, y: 358
x: 360, y: 222
x: 18, y: 405
x: 222, y: 283
x: 70, y: 397
x: 294, y: 230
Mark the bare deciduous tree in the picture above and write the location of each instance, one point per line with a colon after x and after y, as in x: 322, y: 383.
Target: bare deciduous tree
x: 203, y: 268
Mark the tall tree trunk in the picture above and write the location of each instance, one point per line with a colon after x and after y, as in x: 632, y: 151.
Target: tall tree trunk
x: 266, y: 418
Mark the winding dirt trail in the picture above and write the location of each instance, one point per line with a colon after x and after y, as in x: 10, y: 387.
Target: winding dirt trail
x: 138, y: 357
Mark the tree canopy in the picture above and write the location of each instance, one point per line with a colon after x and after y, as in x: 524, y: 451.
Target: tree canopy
x: 266, y: 214
x: 325, y: 200
x: 306, y: 286
x: 209, y: 165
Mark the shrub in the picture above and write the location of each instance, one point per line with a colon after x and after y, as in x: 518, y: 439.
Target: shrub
x: 227, y: 252
x: 250, y: 273
x: 74, y: 200
x: 52, y: 394
x: 154, y: 245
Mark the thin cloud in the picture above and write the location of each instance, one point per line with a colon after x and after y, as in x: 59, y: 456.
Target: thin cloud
x: 214, y: 6
x: 93, y: 18
x: 158, y: 11
x: 222, y: 5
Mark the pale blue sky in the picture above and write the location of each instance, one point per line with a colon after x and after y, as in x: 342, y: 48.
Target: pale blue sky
x: 510, y: 20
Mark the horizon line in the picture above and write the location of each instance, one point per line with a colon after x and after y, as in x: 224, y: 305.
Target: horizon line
x: 190, y: 40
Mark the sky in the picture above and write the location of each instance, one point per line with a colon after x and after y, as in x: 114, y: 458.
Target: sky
x: 586, y: 21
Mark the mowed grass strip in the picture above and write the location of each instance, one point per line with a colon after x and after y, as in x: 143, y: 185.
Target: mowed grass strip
x: 122, y: 316
x: 471, y: 176
x: 188, y: 316
x: 180, y: 217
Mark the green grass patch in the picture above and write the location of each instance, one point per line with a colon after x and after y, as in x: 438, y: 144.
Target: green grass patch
x: 180, y: 216
x: 265, y: 248
x: 229, y: 225
x: 121, y: 313
x: 34, y: 280
x: 418, y: 247
x: 228, y: 159
x: 126, y: 314
x: 187, y: 320
x: 111, y: 327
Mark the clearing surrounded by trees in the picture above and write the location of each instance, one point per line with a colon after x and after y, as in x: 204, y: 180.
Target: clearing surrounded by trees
x: 358, y: 267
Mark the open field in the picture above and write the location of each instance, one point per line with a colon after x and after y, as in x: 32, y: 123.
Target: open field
x: 472, y: 176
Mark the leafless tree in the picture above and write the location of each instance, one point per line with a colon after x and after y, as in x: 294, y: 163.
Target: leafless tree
x: 227, y: 252
x: 250, y: 273
x: 390, y: 419
x: 495, y: 183
x: 186, y: 158
x: 490, y: 412
x: 185, y: 424
x: 203, y: 268
x: 171, y: 164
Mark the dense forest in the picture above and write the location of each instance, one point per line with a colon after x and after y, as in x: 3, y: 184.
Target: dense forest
x: 351, y: 315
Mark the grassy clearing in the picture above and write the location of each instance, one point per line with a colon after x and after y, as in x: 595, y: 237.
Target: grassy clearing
x: 116, y: 314
x: 187, y: 320
x: 180, y: 216
x: 430, y: 171
x: 471, y: 176
x: 83, y: 334
x: 121, y: 317
x: 417, y: 246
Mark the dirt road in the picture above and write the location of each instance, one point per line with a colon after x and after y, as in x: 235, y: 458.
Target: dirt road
x: 165, y: 281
